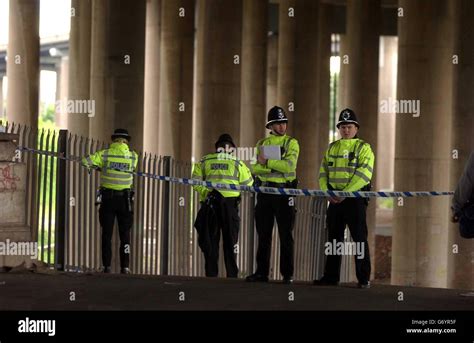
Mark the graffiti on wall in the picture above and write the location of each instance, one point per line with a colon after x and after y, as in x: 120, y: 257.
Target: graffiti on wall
x: 8, y: 179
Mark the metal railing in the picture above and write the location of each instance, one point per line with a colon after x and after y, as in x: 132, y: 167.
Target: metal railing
x: 61, y: 211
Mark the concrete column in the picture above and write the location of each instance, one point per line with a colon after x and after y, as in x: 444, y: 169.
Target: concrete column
x: 363, y: 56
x: 62, y: 83
x: 385, y: 159
x: 79, y: 65
x: 253, y: 97
x: 303, y: 81
x: 57, y: 94
x: 152, y: 76
x: 218, y: 73
x: 322, y: 128
x: 386, y: 117
x: 127, y: 66
x: 1, y: 96
x: 117, y: 69
x: 362, y: 31
x: 272, y: 73
x: 422, y: 153
x: 298, y: 81
x: 23, y: 62
x: 286, y: 58
x: 100, y: 125
x: 342, y: 82
x: 176, y: 79
x: 461, y: 261
x: 74, y: 87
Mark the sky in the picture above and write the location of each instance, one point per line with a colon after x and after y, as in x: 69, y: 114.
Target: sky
x: 54, y: 18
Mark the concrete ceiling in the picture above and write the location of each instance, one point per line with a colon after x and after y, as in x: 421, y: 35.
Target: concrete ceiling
x: 336, y: 10
x: 385, y: 3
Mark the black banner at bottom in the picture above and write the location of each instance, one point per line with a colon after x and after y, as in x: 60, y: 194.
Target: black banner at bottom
x: 58, y: 326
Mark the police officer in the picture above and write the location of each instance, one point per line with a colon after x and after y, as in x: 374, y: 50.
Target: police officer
x: 116, y: 164
x: 219, y: 208
x: 275, y: 173
x: 347, y: 166
x: 463, y: 201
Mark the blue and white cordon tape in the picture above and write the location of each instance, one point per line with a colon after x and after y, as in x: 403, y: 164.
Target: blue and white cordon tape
x: 255, y: 189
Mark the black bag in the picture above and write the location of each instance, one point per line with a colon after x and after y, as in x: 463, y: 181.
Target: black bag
x: 466, y: 221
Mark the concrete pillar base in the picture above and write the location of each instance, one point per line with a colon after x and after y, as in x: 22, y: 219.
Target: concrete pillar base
x: 12, y: 212
x: 12, y: 242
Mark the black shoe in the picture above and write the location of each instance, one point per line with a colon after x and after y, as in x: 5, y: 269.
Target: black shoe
x: 107, y: 270
x: 363, y: 285
x: 256, y: 278
x: 325, y: 282
x: 288, y: 280
x: 125, y: 271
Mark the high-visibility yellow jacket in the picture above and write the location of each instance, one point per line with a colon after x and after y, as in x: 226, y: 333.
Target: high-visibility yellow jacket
x: 115, y: 163
x: 279, y: 171
x: 347, y: 165
x: 221, y: 168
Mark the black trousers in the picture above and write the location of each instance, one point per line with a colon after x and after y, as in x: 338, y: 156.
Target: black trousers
x: 269, y: 207
x: 228, y: 221
x: 112, y: 206
x: 350, y: 212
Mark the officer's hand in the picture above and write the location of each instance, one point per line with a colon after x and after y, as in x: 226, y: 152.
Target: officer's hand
x: 335, y: 200
x: 261, y: 159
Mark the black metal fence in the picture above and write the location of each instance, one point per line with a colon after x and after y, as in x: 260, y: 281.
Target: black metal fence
x: 61, y: 211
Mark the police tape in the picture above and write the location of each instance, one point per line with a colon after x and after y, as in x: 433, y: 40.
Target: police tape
x: 257, y: 189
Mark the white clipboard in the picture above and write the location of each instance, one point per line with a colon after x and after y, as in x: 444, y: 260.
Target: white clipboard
x: 271, y: 152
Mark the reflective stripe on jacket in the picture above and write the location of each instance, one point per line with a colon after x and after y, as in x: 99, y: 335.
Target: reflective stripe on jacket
x: 282, y: 170
x: 347, y: 165
x: 221, y: 168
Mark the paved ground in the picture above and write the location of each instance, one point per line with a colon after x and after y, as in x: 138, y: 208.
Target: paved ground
x: 53, y: 291
x: 76, y: 303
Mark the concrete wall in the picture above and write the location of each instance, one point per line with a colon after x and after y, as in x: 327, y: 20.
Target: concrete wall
x: 12, y: 198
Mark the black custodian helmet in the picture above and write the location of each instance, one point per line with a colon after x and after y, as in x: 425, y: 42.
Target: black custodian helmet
x: 121, y: 133
x: 225, y: 138
x: 276, y: 115
x: 347, y: 116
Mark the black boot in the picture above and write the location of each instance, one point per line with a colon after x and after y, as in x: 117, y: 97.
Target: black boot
x: 256, y: 278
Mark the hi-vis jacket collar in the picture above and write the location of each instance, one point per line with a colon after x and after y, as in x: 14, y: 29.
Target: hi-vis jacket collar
x: 274, y: 134
x: 119, y: 146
